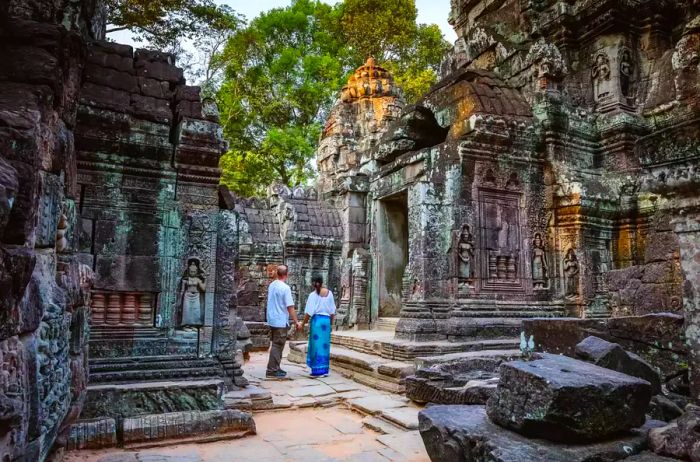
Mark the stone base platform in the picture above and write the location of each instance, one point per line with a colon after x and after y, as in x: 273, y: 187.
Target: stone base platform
x: 155, y: 430
x: 367, y: 369
x: 464, y: 433
x: 383, y: 344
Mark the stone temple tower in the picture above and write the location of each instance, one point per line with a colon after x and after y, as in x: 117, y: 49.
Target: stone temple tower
x: 366, y: 105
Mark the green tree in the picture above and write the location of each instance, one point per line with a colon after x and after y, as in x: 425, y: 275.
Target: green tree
x: 285, y: 69
x: 387, y: 30
x: 281, y: 76
x: 164, y: 24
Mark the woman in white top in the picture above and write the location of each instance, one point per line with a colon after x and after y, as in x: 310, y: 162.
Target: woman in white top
x: 320, y: 311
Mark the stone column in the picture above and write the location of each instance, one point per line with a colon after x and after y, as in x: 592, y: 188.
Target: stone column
x: 688, y: 230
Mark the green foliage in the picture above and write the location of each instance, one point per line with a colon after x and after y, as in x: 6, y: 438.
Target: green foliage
x: 281, y: 75
x: 163, y: 24
x: 285, y: 69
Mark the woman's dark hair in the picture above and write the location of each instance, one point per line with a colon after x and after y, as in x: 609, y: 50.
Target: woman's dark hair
x: 317, y: 278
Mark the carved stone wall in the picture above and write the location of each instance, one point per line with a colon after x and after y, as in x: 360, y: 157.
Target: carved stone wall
x: 44, y: 289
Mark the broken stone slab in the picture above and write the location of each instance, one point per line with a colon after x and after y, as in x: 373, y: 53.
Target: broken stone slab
x: 681, y: 438
x: 186, y: 427
x: 457, y: 433
x: 563, y: 399
x: 612, y: 356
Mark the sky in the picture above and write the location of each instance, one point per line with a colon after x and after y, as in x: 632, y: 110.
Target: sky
x: 429, y: 11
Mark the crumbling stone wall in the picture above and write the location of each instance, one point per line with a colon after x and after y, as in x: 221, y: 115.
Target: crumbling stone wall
x: 44, y: 289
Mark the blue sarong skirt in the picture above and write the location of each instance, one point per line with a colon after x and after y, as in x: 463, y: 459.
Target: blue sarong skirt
x: 318, y: 354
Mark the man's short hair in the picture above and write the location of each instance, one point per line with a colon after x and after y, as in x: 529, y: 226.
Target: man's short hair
x: 282, y: 271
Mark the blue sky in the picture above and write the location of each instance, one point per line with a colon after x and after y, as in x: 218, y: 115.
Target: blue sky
x: 429, y: 11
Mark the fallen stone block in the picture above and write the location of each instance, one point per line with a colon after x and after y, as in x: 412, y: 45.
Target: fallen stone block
x: 664, y: 409
x: 186, y: 427
x: 465, y: 434
x: 563, y: 399
x: 611, y: 356
x: 681, y: 438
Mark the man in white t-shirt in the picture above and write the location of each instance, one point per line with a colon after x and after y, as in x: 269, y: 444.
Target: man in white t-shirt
x: 280, y: 307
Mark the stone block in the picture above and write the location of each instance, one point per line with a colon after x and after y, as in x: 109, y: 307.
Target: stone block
x: 611, y: 356
x: 105, y: 97
x: 465, y: 434
x: 187, y: 93
x: 153, y: 109
x: 9, y: 186
x: 154, y: 88
x: 111, y: 78
x: 563, y: 399
x: 16, y: 269
x: 191, y: 109
x: 681, y: 438
x: 661, y: 247
x: 186, y: 427
x: 158, y: 70
x: 93, y: 434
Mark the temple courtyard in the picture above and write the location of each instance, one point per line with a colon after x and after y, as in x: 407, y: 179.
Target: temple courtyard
x: 305, y: 419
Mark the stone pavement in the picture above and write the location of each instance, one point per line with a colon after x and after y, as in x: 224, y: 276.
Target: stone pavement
x: 301, y: 419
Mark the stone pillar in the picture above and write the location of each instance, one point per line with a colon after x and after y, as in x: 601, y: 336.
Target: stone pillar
x: 688, y: 230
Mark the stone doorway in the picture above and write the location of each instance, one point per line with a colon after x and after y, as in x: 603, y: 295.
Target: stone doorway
x: 392, y: 244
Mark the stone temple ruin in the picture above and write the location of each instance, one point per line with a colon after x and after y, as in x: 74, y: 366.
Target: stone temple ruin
x: 547, y: 184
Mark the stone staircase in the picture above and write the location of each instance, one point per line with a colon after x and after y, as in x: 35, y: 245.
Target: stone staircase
x: 384, y: 345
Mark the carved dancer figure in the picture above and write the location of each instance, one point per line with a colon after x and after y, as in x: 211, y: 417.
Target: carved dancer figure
x: 571, y: 271
x: 601, y: 76
x: 192, y: 290
x: 539, y: 263
x: 465, y: 252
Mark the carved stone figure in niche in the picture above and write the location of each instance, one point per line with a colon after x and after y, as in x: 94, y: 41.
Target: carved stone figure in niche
x: 501, y: 235
x: 571, y: 271
x: 192, y: 290
x: 465, y: 252
x: 539, y: 263
x: 626, y: 72
x: 601, y: 76
x: 61, y: 230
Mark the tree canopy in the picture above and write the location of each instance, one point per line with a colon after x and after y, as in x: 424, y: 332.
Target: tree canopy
x: 164, y: 24
x: 284, y: 70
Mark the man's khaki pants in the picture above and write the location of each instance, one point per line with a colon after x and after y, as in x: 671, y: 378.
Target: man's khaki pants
x: 278, y: 339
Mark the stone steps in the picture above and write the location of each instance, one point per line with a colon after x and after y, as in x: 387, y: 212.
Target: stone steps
x: 386, y: 324
x: 367, y: 369
x: 382, y: 344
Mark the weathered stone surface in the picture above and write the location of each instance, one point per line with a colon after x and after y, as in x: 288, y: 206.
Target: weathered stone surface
x: 93, y: 434
x: 563, y: 399
x: 465, y: 434
x: 679, y: 439
x: 611, y: 356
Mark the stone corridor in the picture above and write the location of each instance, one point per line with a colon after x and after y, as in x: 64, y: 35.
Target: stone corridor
x: 301, y: 419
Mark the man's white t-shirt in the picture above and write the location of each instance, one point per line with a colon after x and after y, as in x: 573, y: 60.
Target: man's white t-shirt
x: 279, y: 297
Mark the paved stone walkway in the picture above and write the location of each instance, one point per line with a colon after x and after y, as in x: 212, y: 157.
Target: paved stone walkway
x: 301, y: 419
